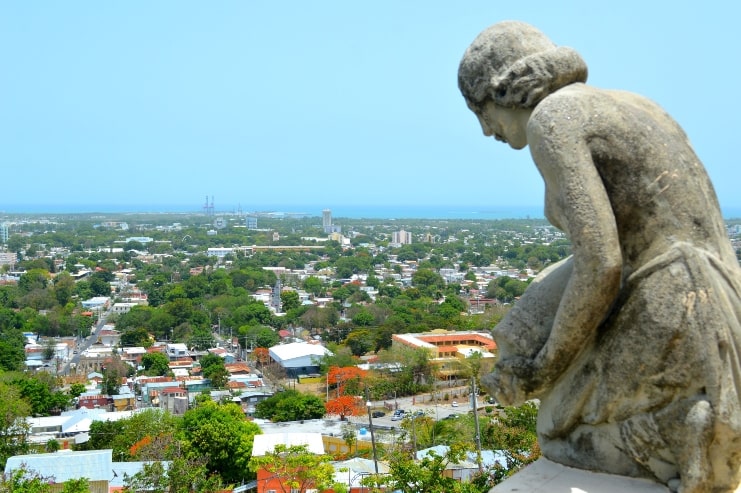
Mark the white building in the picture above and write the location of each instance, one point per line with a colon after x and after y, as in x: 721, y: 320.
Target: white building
x: 8, y: 258
x: 401, y: 237
x: 266, y: 443
x: 123, y: 307
x: 96, y: 303
x: 299, y: 358
x: 219, y: 252
x: 177, y: 350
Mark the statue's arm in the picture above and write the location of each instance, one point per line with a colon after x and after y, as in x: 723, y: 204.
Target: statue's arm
x: 577, y: 201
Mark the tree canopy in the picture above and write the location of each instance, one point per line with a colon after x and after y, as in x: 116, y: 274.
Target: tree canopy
x: 290, y: 405
x: 221, y: 434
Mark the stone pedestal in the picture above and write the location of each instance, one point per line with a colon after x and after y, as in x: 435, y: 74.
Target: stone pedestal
x: 545, y: 476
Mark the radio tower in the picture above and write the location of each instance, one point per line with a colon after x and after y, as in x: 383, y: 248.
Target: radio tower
x: 208, y: 209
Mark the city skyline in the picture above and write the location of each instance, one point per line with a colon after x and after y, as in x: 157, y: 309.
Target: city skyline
x: 321, y: 106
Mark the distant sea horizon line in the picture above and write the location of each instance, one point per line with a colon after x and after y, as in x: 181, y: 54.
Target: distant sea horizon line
x: 350, y: 211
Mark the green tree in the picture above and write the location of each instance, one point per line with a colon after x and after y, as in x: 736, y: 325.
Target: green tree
x: 514, y: 433
x: 41, y: 391
x: 180, y: 476
x: 156, y: 364
x: 16, y: 243
x: 221, y: 434
x: 64, y: 288
x: 296, y: 468
x: 290, y: 405
x: 259, y: 336
x: 99, y: 286
x: 136, y: 337
x: 146, y: 435
x: 289, y: 300
x: 12, y: 354
x: 14, y: 429
x: 407, y: 475
x: 49, y: 350
x: 214, y: 369
x: 107, y: 434
x: 360, y: 342
x: 429, y: 282
x: 22, y: 480
x: 363, y: 318
x: 372, y: 280
x: 76, y: 389
x: 313, y: 285
x: 34, y: 279
x: 113, y: 374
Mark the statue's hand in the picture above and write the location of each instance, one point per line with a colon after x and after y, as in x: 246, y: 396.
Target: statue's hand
x: 514, y: 381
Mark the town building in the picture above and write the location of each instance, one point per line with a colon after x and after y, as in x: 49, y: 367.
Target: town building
x: 401, y: 237
x: 298, y: 358
x: 447, y: 348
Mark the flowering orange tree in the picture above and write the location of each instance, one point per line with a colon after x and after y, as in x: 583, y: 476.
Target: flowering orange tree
x: 346, y: 379
x: 261, y: 355
x: 346, y: 405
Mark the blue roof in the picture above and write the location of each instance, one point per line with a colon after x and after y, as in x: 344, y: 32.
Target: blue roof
x: 95, y: 465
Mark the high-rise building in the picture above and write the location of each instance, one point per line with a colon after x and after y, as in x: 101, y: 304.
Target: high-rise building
x: 327, y: 220
x: 251, y: 222
x: 4, y: 232
x: 401, y: 237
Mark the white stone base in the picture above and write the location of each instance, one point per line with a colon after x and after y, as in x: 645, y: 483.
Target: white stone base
x: 550, y: 477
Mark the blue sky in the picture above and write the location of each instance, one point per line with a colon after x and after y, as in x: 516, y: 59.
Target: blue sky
x: 326, y: 103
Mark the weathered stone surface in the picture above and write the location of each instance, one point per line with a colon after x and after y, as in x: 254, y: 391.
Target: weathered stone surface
x: 545, y: 476
x: 633, y: 344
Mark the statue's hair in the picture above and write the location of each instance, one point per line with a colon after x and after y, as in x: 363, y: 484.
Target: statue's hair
x: 516, y: 66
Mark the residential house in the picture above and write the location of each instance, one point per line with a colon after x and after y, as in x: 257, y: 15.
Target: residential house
x: 97, y: 303
x: 174, y: 399
x: 120, y: 308
x: 124, y: 402
x: 92, y: 401
x: 177, y: 350
x: 223, y: 354
x: 466, y: 469
x: 97, y: 466
x: 109, y: 336
x: 64, y: 465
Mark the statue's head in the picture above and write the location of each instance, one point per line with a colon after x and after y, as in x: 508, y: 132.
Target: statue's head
x: 515, y: 65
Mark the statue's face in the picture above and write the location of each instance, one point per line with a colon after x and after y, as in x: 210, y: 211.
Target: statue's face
x: 504, y: 124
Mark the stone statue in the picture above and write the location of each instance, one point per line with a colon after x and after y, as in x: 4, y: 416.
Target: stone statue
x: 632, y: 343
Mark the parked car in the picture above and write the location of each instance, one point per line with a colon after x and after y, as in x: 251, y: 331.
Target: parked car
x: 398, y: 415
x: 455, y: 404
x: 378, y: 414
x: 452, y: 416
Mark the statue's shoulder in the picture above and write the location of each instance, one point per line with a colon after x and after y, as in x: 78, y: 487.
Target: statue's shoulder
x: 574, y: 105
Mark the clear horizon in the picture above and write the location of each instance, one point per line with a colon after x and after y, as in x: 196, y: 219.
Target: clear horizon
x: 350, y: 211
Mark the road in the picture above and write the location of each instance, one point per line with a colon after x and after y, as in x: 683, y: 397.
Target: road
x: 87, y: 342
x: 438, y: 411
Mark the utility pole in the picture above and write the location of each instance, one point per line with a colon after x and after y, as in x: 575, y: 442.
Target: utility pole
x: 476, y: 423
x: 369, y: 405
